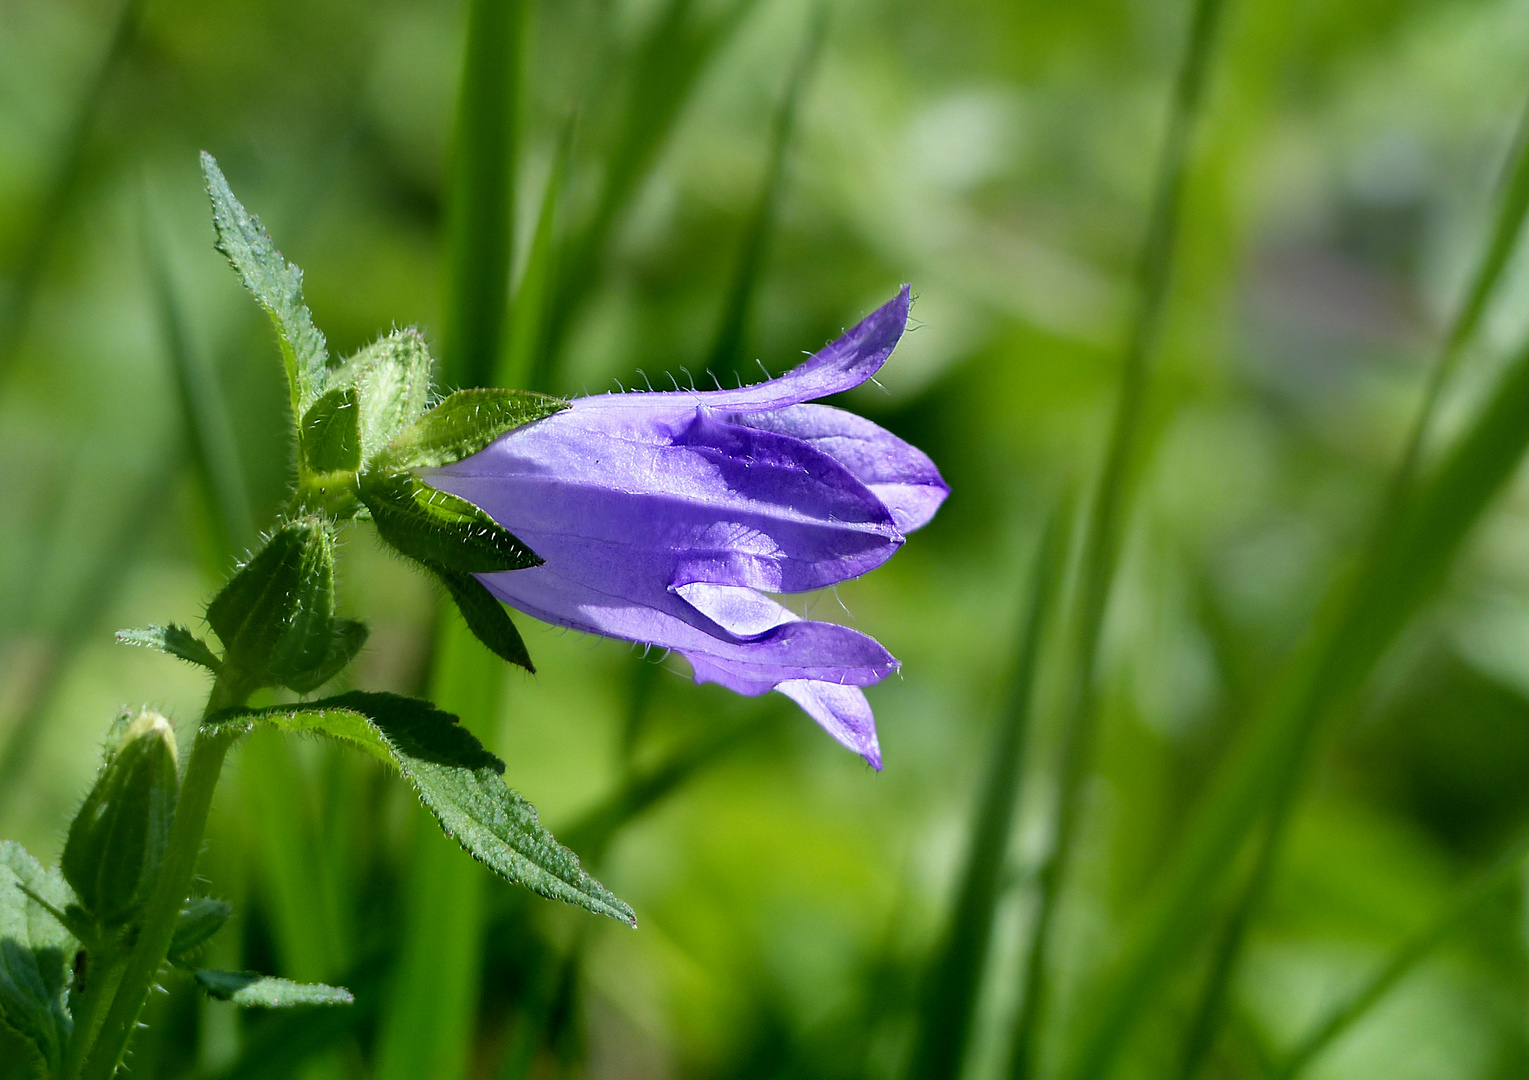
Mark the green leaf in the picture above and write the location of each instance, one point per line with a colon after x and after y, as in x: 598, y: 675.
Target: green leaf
x: 463, y: 424
x: 392, y: 381
x: 200, y: 919
x: 439, y: 528
x: 252, y: 990
x: 457, y: 779
x: 275, y: 283
x: 36, y: 953
x: 331, y: 432
x: 175, y: 640
x: 118, y: 839
x: 486, y: 617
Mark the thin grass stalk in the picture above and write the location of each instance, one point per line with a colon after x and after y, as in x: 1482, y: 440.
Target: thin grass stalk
x: 726, y: 359
x: 63, y: 184
x: 102, y: 582
x: 665, y: 71
x: 955, y: 978
x: 1513, y: 205
x: 208, y: 429
x: 1414, y: 948
x: 1367, y: 608
x: 526, y: 361
x: 1102, y: 536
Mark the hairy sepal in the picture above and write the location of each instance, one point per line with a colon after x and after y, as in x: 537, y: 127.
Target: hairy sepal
x: 463, y: 424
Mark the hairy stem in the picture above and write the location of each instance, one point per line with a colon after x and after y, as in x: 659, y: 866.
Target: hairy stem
x: 174, y: 885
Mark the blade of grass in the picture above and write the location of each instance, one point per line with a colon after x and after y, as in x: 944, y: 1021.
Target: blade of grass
x: 481, y: 211
x: 208, y: 429
x: 665, y: 71
x: 1366, y: 609
x: 1102, y: 536
x: 955, y: 978
x: 98, y: 588
x: 429, y: 1021
x: 430, y: 1017
x: 726, y: 360
x: 63, y: 183
x: 526, y: 362
x: 1414, y: 948
x: 1513, y: 205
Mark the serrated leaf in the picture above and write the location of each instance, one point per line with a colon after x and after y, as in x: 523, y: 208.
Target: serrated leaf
x: 485, y: 616
x: 36, y: 953
x: 331, y: 432
x: 200, y: 919
x: 392, y: 381
x: 439, y: 528
x: 466, y: 422
x: 457, y: 779
x: 252, y: 990
x: 275, y: 283
x: 175, y: 640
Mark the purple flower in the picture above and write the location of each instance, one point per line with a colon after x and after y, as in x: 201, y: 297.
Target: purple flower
x: 664, y: 518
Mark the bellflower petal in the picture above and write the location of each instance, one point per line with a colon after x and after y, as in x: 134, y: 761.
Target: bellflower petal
x: 900, y: 475
x: 664, y: 518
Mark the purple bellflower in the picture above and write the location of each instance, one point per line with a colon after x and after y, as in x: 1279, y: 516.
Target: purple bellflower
x: 664, y: 518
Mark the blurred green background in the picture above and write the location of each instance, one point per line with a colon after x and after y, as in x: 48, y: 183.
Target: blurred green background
x: 711, y: 182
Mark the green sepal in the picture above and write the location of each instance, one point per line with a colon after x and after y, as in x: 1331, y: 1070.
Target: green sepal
x: 463, y: 424
x: 252, y: 990
x: 392, y: 381
x: 36, y: 953
x: 456, y: 779
x: 118, y: 839
x: 330, y: 435
x: 200, y: 919
x: 175, y: 640
x: 275, y: 283
x: 436, y: 527
x: 346, y: 637
x: 485, y: 616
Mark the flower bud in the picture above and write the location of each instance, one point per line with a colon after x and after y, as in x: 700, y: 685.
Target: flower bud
x: 118, y: 838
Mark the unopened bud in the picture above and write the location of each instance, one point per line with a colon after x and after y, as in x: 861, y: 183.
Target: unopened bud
x: 117, y: 840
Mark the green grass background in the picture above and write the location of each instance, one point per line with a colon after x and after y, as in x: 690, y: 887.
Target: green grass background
x: 667, y: 186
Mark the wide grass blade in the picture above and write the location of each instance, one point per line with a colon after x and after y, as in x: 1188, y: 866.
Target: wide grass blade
x: 430, y: 1018
x: 665, y: 71
x: 955, y: 977
x: 481, y: 206
x: 1367, y: 608
x: 1514, y: 203
x: 727, y: 359
x: 1101, y: 540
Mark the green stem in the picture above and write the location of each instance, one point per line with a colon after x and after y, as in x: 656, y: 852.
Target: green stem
x: 1102, y: 539
x: 87, y: 1011
x: 175, y: 877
